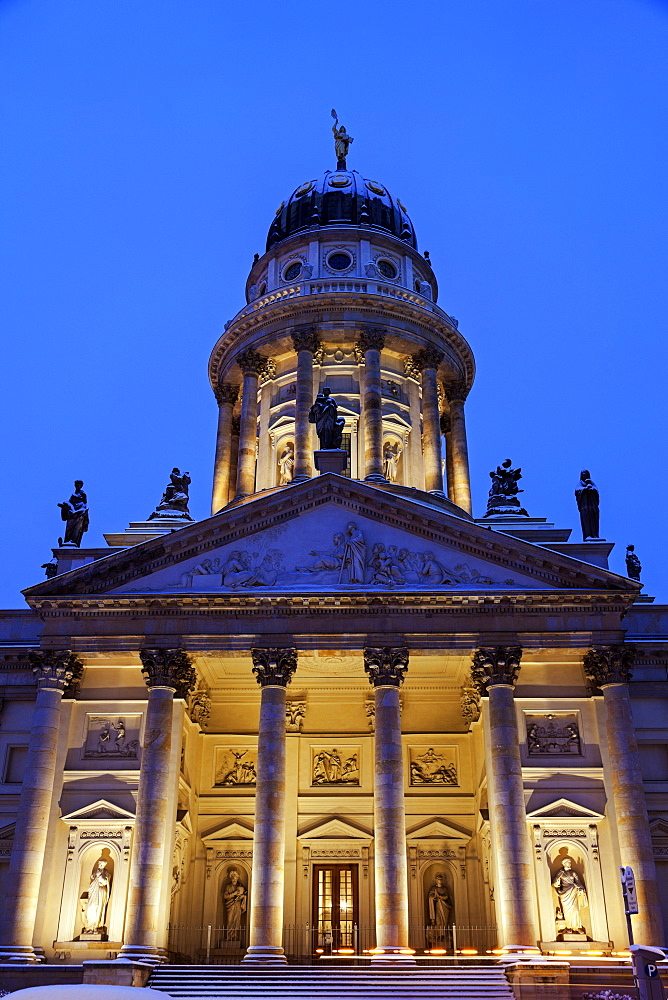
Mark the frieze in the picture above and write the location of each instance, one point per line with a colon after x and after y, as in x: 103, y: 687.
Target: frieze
x: 101, y: 835
x: 332, y: 766
x: 564, y: 833
x: 112, y: 737
x: 235, y: 766
x: 335, y: 853
x: 551, y: 734
x: 432, y: 766
x: 443, y: 853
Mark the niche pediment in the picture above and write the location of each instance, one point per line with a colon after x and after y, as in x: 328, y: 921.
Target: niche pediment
x: 232, y: 830
x: 335, y: 828
x: 101, y: 810
x: 564, y: 809
x: 437, y: 829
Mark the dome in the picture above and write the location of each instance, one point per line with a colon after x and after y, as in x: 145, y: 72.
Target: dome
x: 341, y: 197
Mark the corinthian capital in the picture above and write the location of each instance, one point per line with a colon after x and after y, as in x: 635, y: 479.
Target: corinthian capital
x: 168, y: 668
x: 371, y: 339
x: 57, y: 670
x: 386, y: 664
x: 306, y: 340
x: 428, y: 357
x: 274, y: 666
x: 609, y: 664
x: 252, y: 362
x: 225, y: 392
x: 456, y: 392
x: 495, y: 665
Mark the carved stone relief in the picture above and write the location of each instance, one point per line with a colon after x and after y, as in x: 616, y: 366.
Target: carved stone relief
x: 295, y: 712
x: 112, y: 737
x: 433, y: 765
x: 553, y: 734
x: 235, y: 766
x: 332, y: 766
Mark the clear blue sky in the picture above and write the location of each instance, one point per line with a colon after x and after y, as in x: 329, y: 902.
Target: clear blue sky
x: 147, y: 143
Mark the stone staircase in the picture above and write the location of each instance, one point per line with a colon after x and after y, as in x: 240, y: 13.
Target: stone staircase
x: 235, y: 982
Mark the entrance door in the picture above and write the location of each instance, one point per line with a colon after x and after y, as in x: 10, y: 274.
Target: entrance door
x: 335, y: 914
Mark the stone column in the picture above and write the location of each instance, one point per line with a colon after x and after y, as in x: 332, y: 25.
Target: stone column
x: 428, y: 361
x: 446, y: 431
x: 55, y: 673
x: 386, y: 667
x: 371, y: 343
x: 306, y: 343
x: 273, y: 669
x: 494, y: 673
x: 226, y: 397
x: 234, y: 459
x: 168, y: 674
x: 456, y: 393
x: 252, y: 365
x: 609, y: 669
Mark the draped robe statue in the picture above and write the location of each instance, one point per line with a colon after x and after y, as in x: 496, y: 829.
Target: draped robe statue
x: 75, y: 513
x: 328, y: 425
x: 98, y: 897
x: 571, y: 892
x: 587, y: 499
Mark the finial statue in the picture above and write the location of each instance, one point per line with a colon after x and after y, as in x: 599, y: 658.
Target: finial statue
x: 329, y: 426
x: 75, y: 513
x: 633, y: 565
x: 587, y: 499
x: 174, y: 501
x: 341, y: 142
x: 503, y: 498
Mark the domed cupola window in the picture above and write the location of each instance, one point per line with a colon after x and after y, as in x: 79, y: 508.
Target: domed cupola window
x: 339, y: 260
x: 387, y: 269
x: 292, y: 271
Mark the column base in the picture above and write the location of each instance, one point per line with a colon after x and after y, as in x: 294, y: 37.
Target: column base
x: 437, y: 493
x: 20, y: 955
x: 375, y: 477
x: 299, y: 479
x: 139, y: 953
x: 264, y: 955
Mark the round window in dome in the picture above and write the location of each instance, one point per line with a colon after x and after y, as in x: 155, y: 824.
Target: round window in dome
x: 387, y: 269
x: 292, y: 271
x: 339, y: 261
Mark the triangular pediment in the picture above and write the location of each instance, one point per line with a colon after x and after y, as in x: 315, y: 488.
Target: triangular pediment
x: 564, y: 809
x: 232, y: 830
x: 436, y: 829
x: 7, y: 832
x: 658, y: 829
x: 331, y: 535
x: 335, y: 828
x: 100, y: 810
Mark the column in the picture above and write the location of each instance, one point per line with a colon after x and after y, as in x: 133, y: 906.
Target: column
x: 305, y: 342
x: 226, y: 396
x: 456, y: 393
x: 252, y: 364
x: 168, y: 674
x: 609, y: 668
x: 449, y: 468
x: 371, y: 343
x: 386, y: 667
x: 234, y: 459
x: 273, y: 669
x: 55, y: 672
x: 494, y: 673
x: 428, y: 361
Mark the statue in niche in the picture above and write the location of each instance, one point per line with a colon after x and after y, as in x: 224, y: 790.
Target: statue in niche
x: 329, y: 426
x: 354, y: 554
x: 174, y: 501
x: 633, y: 564
x: 286, y: 465
x: 96, y: 899
x: 571, y: 895
x: 75, y: 514
x: 439, y: 906
x: 503, y: 491
x: 587, y: 498
x: 235, y: 901
x: 325, y: 561
x: 391, y: 456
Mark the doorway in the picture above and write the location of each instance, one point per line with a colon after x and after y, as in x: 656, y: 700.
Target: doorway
x: 335, y: 907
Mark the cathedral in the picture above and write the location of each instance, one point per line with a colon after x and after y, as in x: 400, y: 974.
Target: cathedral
x: 346, y: 714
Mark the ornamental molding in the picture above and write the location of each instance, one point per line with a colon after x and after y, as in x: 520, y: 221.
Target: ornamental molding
x: 336, y: 828
x: 428, y: 357
x: 371, y: 339
x: 170, y: 668
x: 307, y: 339
x: 386, y: 665
x: 226, y: 392
x: 57, y: 670
x: 608, y: 665
x: 492, y: 665
x: 566, y: 810
x: 251, y: 362
x: 274, y: 666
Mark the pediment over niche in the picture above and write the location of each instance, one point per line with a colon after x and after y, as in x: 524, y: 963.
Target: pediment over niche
x: 7, y: 832
x: 100, y: 810
x: 232, y: 830
x: 437, y: 829
x: 330, y: 535
x: 564, y: 809
x: 658, y: 829
x: 335, y: 828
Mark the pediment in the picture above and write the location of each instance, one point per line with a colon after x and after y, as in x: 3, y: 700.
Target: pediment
x: 100, y: 810
x: 335, y: 829
x: 658, y: 829
x: 7, y: 832
x: 564, y: 809
x: 232, y: 830
x: 331, y: 535
x: 436, y: 829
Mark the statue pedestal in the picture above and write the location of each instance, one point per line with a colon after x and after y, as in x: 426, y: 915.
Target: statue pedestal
x: 330, y: 460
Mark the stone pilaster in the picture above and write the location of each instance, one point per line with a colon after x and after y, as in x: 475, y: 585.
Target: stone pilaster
x: 252, y: 365
x: 494, y: 673
x: 427, y: 361
x: 386, y: 667
x: 306, y: 342
x: 461, y: 485
x: 168, y: 673
x: 370, y: 344
x: 55, y: 672
x: 226, y: 396
x: 273, y: 669
x: 609, y: 668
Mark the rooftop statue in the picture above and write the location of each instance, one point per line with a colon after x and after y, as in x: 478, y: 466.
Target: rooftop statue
x: 75, y: 513
x: 341, y: 142
x: 503, y: 498
x: 633, y: 565
x: 587, y: 499
x: 174, y: 501
x: 329, y: 426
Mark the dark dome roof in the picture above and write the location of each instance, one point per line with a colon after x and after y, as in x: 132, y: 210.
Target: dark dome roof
x: 341, y: 197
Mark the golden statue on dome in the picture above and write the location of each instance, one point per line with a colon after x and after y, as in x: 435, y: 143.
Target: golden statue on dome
x: 341, y: 142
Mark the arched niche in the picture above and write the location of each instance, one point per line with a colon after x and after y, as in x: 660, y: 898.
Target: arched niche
x: 568, y: 867
x: 438, y: 880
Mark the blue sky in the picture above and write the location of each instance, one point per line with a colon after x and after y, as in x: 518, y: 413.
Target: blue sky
x: 147, y: 143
